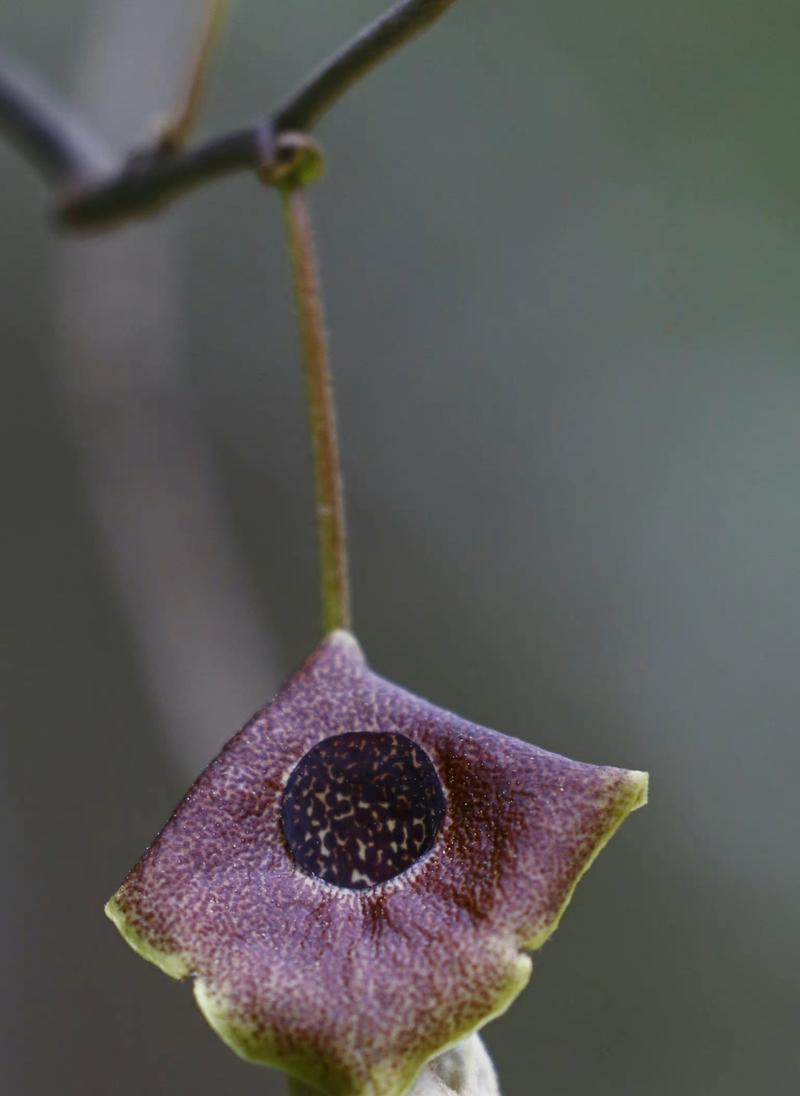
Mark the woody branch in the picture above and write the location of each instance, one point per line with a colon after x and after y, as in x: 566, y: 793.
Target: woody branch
x: 95, y: 190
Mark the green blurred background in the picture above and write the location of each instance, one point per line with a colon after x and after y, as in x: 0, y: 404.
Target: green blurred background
x: 560, y: 243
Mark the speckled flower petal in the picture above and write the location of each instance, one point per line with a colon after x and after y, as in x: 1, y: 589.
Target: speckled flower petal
x: 354, y: 987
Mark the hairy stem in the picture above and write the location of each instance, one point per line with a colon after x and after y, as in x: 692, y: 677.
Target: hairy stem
x: 321, y: 411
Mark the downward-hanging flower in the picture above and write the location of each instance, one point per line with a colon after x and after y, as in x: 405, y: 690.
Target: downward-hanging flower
x: 353, y: 883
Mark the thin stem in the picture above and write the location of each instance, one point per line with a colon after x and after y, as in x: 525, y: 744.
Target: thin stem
x: 402, y: 22
x: 321, y: 411
x: 180, y: 126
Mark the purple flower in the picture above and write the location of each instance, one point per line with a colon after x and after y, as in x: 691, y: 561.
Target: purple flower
x: 354, y: 882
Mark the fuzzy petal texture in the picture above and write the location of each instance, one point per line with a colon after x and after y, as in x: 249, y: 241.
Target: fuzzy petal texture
x: 355, y: 990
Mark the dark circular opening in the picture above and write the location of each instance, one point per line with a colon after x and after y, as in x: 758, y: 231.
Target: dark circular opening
x: 361, y: 808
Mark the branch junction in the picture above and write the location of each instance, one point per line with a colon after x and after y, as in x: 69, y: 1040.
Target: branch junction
x: 96, y: 191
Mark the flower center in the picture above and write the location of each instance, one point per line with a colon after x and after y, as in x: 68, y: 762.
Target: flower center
x: 360, y: 808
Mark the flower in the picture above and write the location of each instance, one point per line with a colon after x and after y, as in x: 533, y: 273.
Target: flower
x: 353, y: 883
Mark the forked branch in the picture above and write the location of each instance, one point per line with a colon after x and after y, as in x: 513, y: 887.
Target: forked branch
x: 94, y: 192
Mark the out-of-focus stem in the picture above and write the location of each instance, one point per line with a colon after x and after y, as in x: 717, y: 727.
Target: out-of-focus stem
x: 321, y: 411
x: 48, y: 132
x: 162, y: 524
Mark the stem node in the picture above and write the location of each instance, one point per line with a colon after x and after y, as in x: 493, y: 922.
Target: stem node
x: 290, y: 159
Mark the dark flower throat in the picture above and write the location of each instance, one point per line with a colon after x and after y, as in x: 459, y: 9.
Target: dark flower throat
x: 361, y: 808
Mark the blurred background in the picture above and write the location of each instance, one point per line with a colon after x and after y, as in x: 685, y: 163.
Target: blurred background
x: 561, y: 245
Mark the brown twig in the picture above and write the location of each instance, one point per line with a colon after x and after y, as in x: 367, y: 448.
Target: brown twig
x: 179, y: 126
x: 92, y: 195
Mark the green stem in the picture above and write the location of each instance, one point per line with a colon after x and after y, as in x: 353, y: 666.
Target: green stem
x: 321, y: 412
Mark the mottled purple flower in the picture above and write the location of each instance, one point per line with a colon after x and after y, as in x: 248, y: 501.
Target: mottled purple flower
x: 353, y: 883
